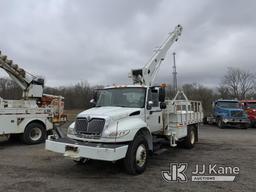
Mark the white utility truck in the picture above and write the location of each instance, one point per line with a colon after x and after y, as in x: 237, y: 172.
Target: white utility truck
x: 128, y: 120
x: 35, y: 114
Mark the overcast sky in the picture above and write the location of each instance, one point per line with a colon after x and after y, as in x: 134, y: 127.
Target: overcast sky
x: 99, y: 41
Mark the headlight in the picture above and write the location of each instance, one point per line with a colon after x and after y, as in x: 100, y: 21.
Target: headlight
x: 225, y: 120
x: 71, y: 129
x: 111, y: 130
x: 114, y: 134
x: 107, y: 123
x: 119, y: 133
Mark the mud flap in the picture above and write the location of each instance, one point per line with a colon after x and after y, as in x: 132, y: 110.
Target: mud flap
x: 58, y: 131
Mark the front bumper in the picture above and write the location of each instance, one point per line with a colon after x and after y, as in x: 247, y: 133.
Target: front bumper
x: 233, y: 121
x: 77, y: 149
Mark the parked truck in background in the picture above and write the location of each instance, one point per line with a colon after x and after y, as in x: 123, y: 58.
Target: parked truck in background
x: 249, y: 107
x: 33, y: 116
x: 228, y: 113
x: 128, y: 120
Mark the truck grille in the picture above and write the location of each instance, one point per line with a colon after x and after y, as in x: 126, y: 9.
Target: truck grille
x: 92, y: 127
x: 237, y: 113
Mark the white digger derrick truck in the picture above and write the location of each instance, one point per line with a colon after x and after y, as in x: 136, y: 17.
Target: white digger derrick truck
x: 33, y: 116
x: 128, y: 120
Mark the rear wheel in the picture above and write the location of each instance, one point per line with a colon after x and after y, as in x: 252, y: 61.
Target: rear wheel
x: 190, y: 140
x: 34, y: 133
x: 137, y: 155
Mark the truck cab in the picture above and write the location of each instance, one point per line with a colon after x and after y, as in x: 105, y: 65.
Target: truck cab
x: 249, y: 107
x: 123, y: 110
x: 229, y: 113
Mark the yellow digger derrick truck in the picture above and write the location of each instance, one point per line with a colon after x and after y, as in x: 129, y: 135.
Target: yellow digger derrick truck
x: 33, y: 116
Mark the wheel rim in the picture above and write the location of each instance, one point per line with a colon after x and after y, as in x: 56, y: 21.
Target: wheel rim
x: 141, y: 155
x: 192, y: 137
x: 35, y: 134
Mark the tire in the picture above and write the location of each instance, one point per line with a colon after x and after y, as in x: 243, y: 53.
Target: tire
x: 34, y: 133
x: 252, y: 124
x: 245, y: 126
x: 190, y: 140
x: 205, y: 122
x: 137, y: 154
x: 220, y: 123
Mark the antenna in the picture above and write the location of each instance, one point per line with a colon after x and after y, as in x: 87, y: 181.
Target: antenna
x: 174, y: 73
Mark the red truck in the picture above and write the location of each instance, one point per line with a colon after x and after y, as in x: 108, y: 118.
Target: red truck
x: 249, y: 107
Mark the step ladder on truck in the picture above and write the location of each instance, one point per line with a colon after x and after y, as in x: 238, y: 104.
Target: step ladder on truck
x: 127, y: 119
x: 32, y: 117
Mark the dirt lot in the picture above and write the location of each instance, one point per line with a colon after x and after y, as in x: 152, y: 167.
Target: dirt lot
x: 31, y: 168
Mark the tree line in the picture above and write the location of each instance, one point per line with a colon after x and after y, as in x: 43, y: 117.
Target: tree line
x: 236, y: 83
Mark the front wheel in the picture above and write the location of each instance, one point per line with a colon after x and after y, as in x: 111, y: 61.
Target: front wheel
x: 137, y: 156
x: 220, y: 123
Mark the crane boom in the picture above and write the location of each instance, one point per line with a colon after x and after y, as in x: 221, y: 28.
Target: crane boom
x: 31, y: 85
x: 147, y: 74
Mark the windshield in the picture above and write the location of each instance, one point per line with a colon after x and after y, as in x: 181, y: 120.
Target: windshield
x: 250, y: 105
x: 122, y: 97
x: 226, y: 104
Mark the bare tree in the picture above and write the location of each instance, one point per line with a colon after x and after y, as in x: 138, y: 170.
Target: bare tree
x: 238, y: 83
x: 76, y: 96
x: 224, y: 92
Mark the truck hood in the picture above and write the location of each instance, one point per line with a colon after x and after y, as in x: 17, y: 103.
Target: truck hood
x: 114, y: 113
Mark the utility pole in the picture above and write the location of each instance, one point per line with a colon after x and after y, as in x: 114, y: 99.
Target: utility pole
x: 174, y: 73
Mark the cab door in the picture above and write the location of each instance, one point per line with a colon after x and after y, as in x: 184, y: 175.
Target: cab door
x: 154, y: 113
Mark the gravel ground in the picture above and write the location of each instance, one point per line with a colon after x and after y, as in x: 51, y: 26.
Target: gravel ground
x: 31, y: 168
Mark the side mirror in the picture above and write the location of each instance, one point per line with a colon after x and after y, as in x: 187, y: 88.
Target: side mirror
x: 162, y: 105
x: 93, y: 102
x: 149, y: 105
x: 161, y: 94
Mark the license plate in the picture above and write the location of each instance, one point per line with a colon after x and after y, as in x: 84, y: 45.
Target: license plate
x: 71, y: 151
